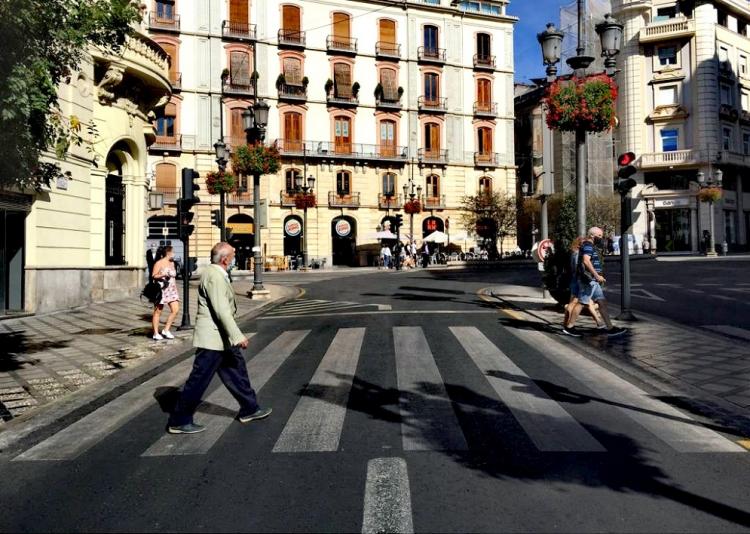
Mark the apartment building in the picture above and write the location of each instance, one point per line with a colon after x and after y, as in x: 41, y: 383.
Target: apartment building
x: 364, y: 96
x: 684, y: 108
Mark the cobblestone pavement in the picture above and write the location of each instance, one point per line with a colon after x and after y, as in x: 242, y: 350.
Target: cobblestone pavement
x: 45, y: 357
x: 715, y: 364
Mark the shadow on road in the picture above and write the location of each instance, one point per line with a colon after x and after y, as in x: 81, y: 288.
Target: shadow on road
x: 14, y: 343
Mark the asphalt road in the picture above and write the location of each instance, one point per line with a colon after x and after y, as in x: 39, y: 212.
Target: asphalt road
x: 401, y: 401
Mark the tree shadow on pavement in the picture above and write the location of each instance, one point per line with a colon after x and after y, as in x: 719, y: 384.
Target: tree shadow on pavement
x: 500, y: 449
x: 14, y: 344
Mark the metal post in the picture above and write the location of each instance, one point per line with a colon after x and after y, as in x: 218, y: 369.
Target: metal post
x: 223, y: 226
x: 304, y: 239
x: 581, y: 181
x: 712, y: 241
x: 185, y: 323
x: 543, y: 222
x: 625, y: 313
x: 257, y: 258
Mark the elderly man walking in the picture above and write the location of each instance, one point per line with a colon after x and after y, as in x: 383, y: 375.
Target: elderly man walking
x: 219, y: 345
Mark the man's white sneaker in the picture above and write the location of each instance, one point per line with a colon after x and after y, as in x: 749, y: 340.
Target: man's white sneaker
x: 167, y: 334
x: 157, y: 337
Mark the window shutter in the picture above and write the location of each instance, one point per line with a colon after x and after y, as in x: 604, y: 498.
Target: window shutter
x: 293, y: 71
x: 343, y: 78
x: 341, y: 26
x: 387, y: 31
x: 166, y: 176
x: 238, y: 12
x: 239, y: 68
x: 435, y: 138
x: 236, y: 128
x: 291, y: 18
x: 389, y: 83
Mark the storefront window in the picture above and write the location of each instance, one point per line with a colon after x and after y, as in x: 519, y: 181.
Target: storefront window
x: 730, y: 228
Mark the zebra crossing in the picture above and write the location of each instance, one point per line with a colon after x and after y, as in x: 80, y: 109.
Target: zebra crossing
x: 302, y: 307
x: 428, y: 415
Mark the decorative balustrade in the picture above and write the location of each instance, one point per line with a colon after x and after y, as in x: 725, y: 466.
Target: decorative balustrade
x: 335, y: 43
x: 427, y: 54
x: 292, y: 38
x: 434, y: 203
x: 435, y: 105
x: 482, y: 61
x: 327, y: 149
x: 238, y: 30
x: 240, y: 198
x: 392, y: 202
x: 486, y: 159
x: 343, y: 200
x: 164, y: 23
x: 433, y: 156
x: 675, y: 157
x: 387, y: 50
x: 485, y: 109
x: 669, y: 29
x: 167, y: 143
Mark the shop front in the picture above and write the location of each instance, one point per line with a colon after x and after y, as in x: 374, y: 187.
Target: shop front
x: 293, y: 233
x: 241, y: 232
x: 13, y: 211
x: 344, y: 241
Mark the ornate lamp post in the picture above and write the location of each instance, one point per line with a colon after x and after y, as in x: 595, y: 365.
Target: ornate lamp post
x: 713, y: 182
x: 222, y: 158
x: 610, y: 34
x: 415, y: 201
x: 304, y: 194
x: 551, y: 41
x: 255, y: 120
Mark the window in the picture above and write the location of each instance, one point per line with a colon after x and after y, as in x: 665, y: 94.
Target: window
x: 484, y: 142
x: 165, y: 121
x: 432, y: 139
x: 725, y: 94
x: 166, y: 178
x: 165, y: 9
x: 290, y: 23
x: 726, y: 138
x: 239, y: 68
x: 387, y: 36
x: 342, y: 80
x: 666, y: 96
x: 483, y: 46
x: 484, y: 94
x: 665, y: 13
x: 669, y: 140
x: 431, y: 43
x: 433, y: 186
x: 293, y: 132
x: 389, y: 184
x: 431, y: 87
x: 342, y: 30
x: 724, y: 58
x: 743, y: 65
x: 290, y: 177
x: 746, y: 143
x: 721, y: 18
x: 343, y: 183
x: 238, y: 13
x: 742, y: 27
x: 171, y: 50
x: 485, y: 185
x: 342, y: 135
x: 387, y: 138
x: 292, y: 71
x: 389, y: 82
x: 667, y: 56
x: 745, y: 101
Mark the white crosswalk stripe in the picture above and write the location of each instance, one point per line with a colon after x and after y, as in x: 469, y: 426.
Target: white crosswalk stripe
x: 316, y: 306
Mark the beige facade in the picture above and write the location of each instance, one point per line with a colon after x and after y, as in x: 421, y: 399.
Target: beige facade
x: 685, y: 109
x: 443, y: 113
x: 83, y: 236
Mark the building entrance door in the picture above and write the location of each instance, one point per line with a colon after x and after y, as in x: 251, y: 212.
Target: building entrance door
x: 344, y: 240
x: 114, y: 219
x: 673, y: 230
x: 12, y: 233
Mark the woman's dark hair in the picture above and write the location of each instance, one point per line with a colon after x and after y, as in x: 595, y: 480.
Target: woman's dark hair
x: 160, y: 253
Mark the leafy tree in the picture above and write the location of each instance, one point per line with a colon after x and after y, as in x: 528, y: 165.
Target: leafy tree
x: 43, y: 42
x: 495, y: 212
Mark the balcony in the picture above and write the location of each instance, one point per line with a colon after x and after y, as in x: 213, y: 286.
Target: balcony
x: 171, y: 194
x: 287, y: 198
x: 341, y: 45
x: 389, y: 202
x: 484, y: 62
x: 388, y: 103
x: 667, y: 30
x: 291, y: 38
x: 431, y: 55
x: 338, y: 100
x: 343, y: 200
x: 672, y: 158
x: 297, y: 93
x: 485, y: 109
x: 432, y: 105
x: 346, y: 151
x: 728, y: 112
x: 240, y: 198
x: 385, y: 50
x: 240, y: 87
x: 434, y: 203
x: 167, y: 143
x: 438, y: 157
x: 163, y: 23
x: 238, y: 31
x: 486, y: 159
x: 175, y: 78
x: 734, y: 158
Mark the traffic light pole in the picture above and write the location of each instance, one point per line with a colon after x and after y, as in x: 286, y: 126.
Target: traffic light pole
x: 185, y: 323
x: 625, y: 313
x: 223, y: 225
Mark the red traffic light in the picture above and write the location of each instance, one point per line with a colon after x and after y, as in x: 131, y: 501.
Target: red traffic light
x: 626, y: 159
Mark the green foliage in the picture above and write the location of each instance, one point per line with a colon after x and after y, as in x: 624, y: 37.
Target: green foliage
x: 355, y: 89
x: 500, y: 208
x: 43, y: 42
x: 565, y: 227
x: 280, y: 80
x: 249, y: 160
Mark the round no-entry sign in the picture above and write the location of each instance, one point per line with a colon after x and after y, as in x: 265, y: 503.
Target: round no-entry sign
x: 542, y: 248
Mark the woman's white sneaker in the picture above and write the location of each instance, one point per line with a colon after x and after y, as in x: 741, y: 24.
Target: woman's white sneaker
x: 167, y: 334
x: 157, y: 337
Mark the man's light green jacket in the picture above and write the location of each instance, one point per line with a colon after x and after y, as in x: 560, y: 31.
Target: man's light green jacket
x: 215, y: 328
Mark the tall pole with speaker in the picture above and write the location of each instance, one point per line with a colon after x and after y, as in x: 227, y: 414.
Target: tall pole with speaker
x: 186, y: 229
x: 623, y: 185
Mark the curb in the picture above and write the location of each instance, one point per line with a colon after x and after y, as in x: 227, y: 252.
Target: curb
x: 36, y: 424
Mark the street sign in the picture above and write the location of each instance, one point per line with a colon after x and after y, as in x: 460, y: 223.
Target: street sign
x: 543, y: 248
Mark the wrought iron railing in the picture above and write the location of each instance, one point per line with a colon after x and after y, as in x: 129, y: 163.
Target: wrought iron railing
x: 237, y: 30
x: 341, y: 44
x: 343, y: 200
x: 427, y: 53
x: 291, y: 37
x: 327, y: 149
x: 432, y: 104
x: 166, y: 23
x: 389, y: 50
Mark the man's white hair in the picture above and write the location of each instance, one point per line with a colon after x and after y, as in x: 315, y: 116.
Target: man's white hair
x: 595, y: 230
x: 220, y: 251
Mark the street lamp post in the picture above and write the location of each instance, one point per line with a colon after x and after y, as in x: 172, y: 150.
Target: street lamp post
x: 222, y: 158
x: 713, y: 181
x: 255, y: 120
x: 303, y: 189
x: 409, y: 191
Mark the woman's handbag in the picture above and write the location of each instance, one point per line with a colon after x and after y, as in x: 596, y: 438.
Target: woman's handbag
x: 152, y: 291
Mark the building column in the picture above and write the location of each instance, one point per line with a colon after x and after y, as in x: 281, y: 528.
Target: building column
x: 706, y: 128
x: 694, y: 234
x: 741, y: 230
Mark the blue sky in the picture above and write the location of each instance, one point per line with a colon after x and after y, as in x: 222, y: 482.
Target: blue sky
x: 533, y: 15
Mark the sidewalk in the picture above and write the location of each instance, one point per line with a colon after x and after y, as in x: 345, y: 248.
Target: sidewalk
x: 44, y: 358
x: 715, y: 365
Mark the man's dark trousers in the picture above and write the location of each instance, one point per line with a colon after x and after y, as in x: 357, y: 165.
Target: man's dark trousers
x: 232, y: 369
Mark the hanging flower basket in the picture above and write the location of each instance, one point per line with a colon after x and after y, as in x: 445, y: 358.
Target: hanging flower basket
x: 582, y: 103
x: 710, y: 194
x: 249, y: 160
x: 217, y: 183
x: 304, y: 201
x: 412, y: 207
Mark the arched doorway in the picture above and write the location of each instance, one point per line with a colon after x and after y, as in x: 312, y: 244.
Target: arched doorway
x: 114, y: 207
x: 432, y: 224
x: 344, y: 240
x: 242, y: 238
x: 293, y: 231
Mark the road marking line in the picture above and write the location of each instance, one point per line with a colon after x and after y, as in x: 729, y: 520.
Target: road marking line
x: 387, y: 506
x: 678, y: 430
x: 549, y: 426
x: 260, y: 368
x: 385, y: 312
x: 728, y: 329
x: 644, y: 294
x: 317, y: 421
x: 428, y: 421
x: 317, y: 308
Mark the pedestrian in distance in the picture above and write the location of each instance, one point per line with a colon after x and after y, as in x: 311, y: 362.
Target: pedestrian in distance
x: 425, y: 255
x: 165, y: 273
x: 388, y: 255
x: 219, y: 345
x: 589, y: 271
x: 575, y: 289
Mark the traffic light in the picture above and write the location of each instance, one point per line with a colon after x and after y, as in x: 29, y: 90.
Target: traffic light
x: 189, y: 187
x: 399, y: 220
x: 185, y: 218
x: 216, y: 218
x: 626, y: 169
